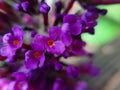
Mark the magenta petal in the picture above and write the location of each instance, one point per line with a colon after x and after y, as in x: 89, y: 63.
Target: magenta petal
x: 17, y: 30
x: 67, y: 39
x: 54, y: 32
x: 42, y: 60
x: 58, y: 48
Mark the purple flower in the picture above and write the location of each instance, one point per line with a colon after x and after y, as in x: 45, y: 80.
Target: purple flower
x: 25, y: 5
x: 4, y: 83
x: 44, y: 8
x: 77, y: 47
x: 72, y: 71
x: 35, y: 58
x: 58, y: 66
x: 20, y: 83
x: 12, y: 42
x: 71, y: 26
x: 81, y: 85
x: 59, y: 85
x: 33, y: 33
x: 89, y: 68
x: 52, y: 43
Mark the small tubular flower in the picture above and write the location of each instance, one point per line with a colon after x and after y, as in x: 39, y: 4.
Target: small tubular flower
x: 35, y: 58
x: 71, y: 26
x: 13, y: 41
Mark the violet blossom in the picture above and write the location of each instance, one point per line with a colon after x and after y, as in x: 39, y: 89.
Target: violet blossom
x: 12, y: 42
x: 35, y: 57
x: 38, y: 61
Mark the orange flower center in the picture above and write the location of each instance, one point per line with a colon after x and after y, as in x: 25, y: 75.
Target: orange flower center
x: 36, y: 54
x: 50, y: 43
x: 19, y: 85
x: 15, y: 42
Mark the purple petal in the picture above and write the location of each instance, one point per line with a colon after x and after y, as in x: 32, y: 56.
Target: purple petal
x: 58, y: 48
x: 25, y: 5
x: 11, y: 42
x: 19, y: 76
x: 59, y: 85
x: 16, y: 6
x: 71, y: 19
x: 76, y: 29
x: 40, y: 39
x: 90, y: 16
x: 41, y: 60
x: 37, y: 47
x: 54, y: 32
x: 77, y: 47
x: 94, y: 71
x: 82, y: 85
x: 30, y: 62
x: 7, y: 51
x: 17, y: 30
x: 23, y: 85
x: 67, y: 39
x: 6, y: 37
x: 57, y: 65
x: 72, y: 71
x: 65, y: 28
x: 91, y: 24
x: 44, y: 8
x: 33, y: 33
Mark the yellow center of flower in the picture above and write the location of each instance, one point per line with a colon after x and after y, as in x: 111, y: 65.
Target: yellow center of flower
x: 36, y: 54
x: 15, y: 42
x: 50, y: 43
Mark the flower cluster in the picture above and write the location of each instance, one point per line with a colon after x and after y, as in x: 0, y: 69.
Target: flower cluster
x: 33, y: 60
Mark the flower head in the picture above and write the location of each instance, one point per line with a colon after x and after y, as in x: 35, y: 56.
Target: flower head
x: 20, y: 82
x: 52, y: 42
x: 71, y: 26
x: 35, y: 58
x: 13, y: 41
